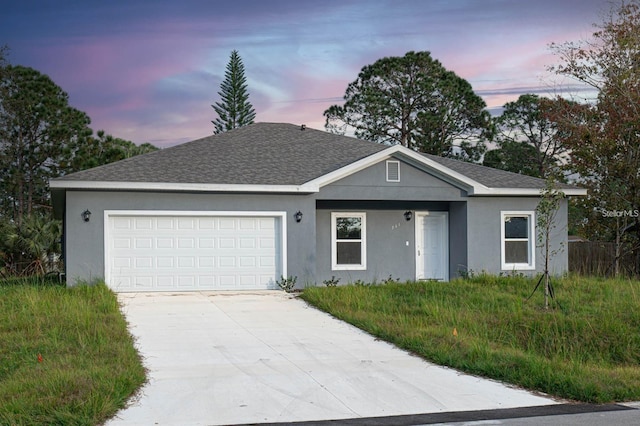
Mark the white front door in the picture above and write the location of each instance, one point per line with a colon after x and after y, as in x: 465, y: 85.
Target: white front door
x: 432, y: 246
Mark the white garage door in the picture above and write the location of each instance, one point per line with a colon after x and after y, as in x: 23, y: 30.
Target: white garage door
x: 181, y: 253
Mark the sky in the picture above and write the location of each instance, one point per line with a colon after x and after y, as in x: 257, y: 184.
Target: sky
x: 148, y: 71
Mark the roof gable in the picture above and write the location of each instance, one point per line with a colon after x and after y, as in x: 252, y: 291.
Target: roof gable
x: 472, y: 178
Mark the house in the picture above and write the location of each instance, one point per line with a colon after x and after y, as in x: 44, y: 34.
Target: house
x: 241, y: 209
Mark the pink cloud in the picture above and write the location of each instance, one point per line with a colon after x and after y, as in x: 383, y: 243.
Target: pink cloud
x: 152, y: 75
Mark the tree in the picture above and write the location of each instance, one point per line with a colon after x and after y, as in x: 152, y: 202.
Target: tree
x: 31, y: 247
x: 526, y: 139
x: 416, y: 102
x: 513, y: 157
x: 234, y: 109
x: 546, y: 211
x: 38, y: 132
x: 104, y: 149
x: 604, y: 136
x: 3, y: 58
x: 41, y: 137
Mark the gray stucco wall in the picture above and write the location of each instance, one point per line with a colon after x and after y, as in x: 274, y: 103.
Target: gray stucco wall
x: 390, y: 238
x: 458, y: 253
x: 483, y: 234
x: 474, y: 224
x: 84, y: 257
x: 371, y: 184
x: 390, y: 247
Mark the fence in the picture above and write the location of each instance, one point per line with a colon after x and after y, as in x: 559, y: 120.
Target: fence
x: 598, y: 258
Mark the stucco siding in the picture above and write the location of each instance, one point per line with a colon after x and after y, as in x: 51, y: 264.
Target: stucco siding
x: 390, y: 247
x: 483, y: 235
x: 474, y: 225
x: 371, y: 184
x: 84, y: 255
x: 458, y: 253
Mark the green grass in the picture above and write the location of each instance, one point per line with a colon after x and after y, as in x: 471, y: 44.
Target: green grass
x: 89, y: 366
x: 585, y: 348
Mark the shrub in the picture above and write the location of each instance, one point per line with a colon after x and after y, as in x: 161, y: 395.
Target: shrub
x: 333, y: 282
x: 287, y: 284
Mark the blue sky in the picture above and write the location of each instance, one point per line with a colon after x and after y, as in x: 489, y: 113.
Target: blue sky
x: 148, y: 71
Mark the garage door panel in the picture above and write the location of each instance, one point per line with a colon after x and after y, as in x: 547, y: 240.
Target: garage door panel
x: 227, y: 243
x: 164, y: 243
x: 144, y: 282
x: 226, y: 223
x: 206, y: 243
x: 206, y: 262
x: 227, y: 282
x: 266, y: 261
x: 248, y: 281
x: 186, y: 243
x: 267, y: 243
x: 186, y: 262
x: 144, y: 262
x: 164, y: 262
x: 143, y: 243
x: 121, y: 243
x: 165, y: 223
x: 247, y: 262
x: 226, y: 262
x: 207, y: 223
x: 122, y: 223
x: 143, y: 223
x: 186, y: 223
x: 266, y: 224
x: 247, y: 224
x: 206, y: 281
x: 247, y: 243
x: 122, y: 262
x: 186, y: 282
x: 123, y: 283
x: 192, y: 253
x: 165, y: 281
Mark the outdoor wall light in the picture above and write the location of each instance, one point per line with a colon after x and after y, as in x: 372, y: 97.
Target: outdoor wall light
x: 298, y: 216
x: 408, y: 215
x: 86, y: 215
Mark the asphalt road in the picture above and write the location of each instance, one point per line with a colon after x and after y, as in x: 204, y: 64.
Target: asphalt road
x: 550, y: 415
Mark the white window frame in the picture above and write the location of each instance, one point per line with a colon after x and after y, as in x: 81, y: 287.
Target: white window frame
x: 531, y: 240
x: 397, y: 164
x: 334, y: 242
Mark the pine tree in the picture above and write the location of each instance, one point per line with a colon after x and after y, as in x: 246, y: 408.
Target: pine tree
x: 234, y: 109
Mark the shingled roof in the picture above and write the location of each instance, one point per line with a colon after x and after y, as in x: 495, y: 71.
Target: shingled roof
x: 257, y: 154
x: 492, y: 178
x: 282, y: 157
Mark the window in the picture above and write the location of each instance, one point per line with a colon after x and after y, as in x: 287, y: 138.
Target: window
x: 348, y: 241
x: 393, y: 171
x: 518, y: 240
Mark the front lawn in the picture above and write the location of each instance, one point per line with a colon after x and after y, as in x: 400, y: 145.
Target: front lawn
x: 66, y: 356
x: 586, y: 349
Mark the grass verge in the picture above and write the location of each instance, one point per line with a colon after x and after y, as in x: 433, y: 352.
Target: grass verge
x: 586, y: 348
x: 67, y: 356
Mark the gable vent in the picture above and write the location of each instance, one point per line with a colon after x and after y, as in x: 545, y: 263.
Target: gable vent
x: 393, y: 171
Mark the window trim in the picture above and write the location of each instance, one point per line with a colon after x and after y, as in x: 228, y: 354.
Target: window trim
x: 389, y: 162
x: 531, y: 240
x: 363, y: 242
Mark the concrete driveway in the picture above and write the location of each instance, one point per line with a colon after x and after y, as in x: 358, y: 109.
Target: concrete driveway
x: 220, y: 358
